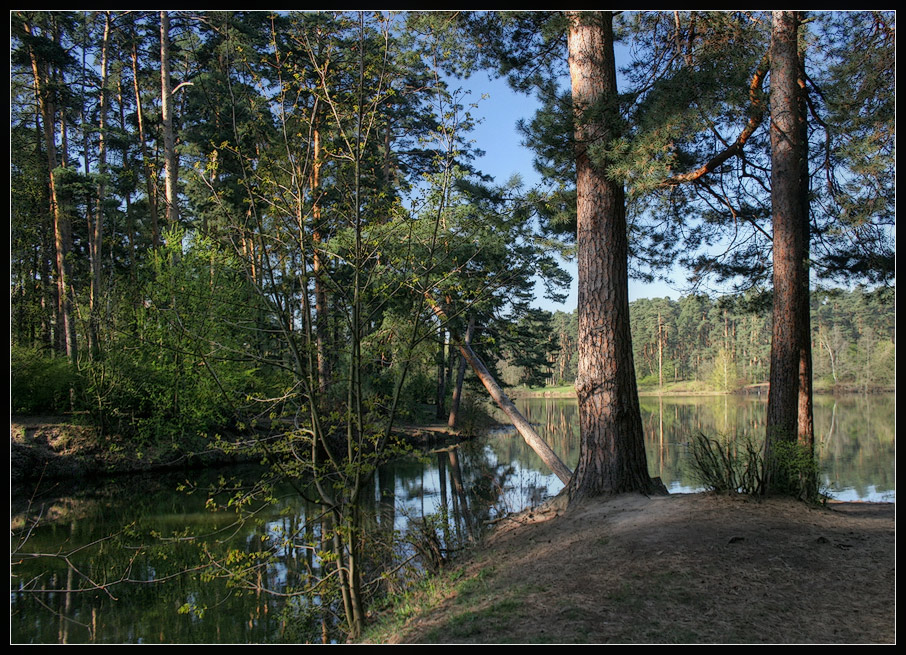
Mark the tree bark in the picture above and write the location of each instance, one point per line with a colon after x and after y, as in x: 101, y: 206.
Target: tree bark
x: 65, y: 327
x: 460, y: 376
x: 166, y: 95
x: 97, y: 229
x: 319, y: 271
x: 612, y: 456
x: 532, y: 438
x: 440, y: 361
x: 525, y: 429
x: 150, y: 183
x: 789, y: 411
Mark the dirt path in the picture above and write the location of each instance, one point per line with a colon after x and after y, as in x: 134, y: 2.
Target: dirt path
x: 693, y: 568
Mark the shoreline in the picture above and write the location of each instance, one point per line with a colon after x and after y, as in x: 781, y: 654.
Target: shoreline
x: 55, y: 447
x: 749, y: 390
x: 684, y: 568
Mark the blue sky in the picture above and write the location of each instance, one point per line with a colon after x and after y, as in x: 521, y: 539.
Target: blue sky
x: 505, y: 156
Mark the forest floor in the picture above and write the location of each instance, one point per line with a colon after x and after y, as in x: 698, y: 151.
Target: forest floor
x: 687, y: 568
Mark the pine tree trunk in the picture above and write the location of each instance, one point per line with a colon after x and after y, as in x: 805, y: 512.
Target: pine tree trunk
x: 166, y: 95
x: 97, y: 232
x: 612, y: 456
x: 65, y: 337
x: 460, y: 376
x: 789, y: 411
x: 150, y: 185
x: 525, y: 429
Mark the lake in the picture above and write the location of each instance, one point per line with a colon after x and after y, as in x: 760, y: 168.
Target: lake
x: 135, y: 559
x: 855, y: 437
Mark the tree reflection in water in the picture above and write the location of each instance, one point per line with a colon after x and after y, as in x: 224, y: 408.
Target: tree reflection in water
x: 180, y: 573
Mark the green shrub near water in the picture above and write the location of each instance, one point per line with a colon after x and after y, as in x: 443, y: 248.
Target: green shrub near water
x: 181, y: 358
x: 737, y: 465
x: 728, y: 464
x: 795, y: 472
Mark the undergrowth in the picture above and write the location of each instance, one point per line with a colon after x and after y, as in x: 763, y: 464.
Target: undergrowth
x: 737, y: 465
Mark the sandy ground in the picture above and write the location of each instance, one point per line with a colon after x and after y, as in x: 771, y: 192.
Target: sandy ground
x: 692, y: 568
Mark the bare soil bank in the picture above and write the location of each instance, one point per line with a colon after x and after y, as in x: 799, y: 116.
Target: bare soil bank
x: 691, y: 568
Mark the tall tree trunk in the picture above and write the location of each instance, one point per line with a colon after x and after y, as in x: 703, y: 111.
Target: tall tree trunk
x: 460, y: 376
x: 525, y: 429
x: 128, y: 224
x: 150, y: 181
x: 97, y: 228
x: 44, y: 95
x: 322, y: 328
x: 660, y: 353
x: 440, y: 361
x: 612, y: 456
x: 166, y: 96
x: 789, y: 411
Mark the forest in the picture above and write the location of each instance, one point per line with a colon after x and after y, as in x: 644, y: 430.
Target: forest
x: 272, y: 224
x: 722, y: 344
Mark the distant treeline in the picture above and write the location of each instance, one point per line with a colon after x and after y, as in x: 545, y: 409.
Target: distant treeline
x: 724, y: 343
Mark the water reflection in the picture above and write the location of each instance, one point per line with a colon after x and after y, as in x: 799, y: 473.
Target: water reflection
x: 180, y: 573
x: 855, y: 437
x: 80, y: 575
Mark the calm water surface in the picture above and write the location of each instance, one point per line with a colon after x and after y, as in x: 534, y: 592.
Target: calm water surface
x: 855, y: 437
x: 125, y: 538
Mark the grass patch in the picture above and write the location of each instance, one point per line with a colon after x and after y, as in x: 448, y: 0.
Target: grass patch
x: 476, y: 584
x: 560, y: 390
x: 390, y: 617
x: 492, y: 618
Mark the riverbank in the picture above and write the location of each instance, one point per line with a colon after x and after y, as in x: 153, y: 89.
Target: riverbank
x: 54, y: 447
x: 686, y: 568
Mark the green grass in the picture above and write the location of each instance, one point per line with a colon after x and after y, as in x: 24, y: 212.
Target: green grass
x: 391, y: 616
x: 563, y: 389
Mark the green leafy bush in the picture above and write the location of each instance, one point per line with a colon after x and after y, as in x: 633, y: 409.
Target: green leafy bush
x: 794, y: 472
x: 183, y: 358
x: 738, y: 465
x: 40, y: 382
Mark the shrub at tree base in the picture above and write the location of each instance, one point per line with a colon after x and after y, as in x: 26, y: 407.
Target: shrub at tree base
x: 794, y: 472
x: 737, y: 465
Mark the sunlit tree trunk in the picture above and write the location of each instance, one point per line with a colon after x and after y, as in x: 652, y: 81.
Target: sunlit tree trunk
x: 150, y: 181
x: 612, y: 456
x: 522, y: 425
x: 789, y: 411
x: 97, y: 226
x: 319, y: 270
x: 65, y: 327
x: 166, y: 97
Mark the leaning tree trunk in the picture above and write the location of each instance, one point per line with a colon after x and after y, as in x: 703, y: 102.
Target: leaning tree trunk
x: 525, y: 429
x: 522, y: 425
x: 789, y: 411
x: 612, y: 456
